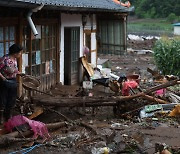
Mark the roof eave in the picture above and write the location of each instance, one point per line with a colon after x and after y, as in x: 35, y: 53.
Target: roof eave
x: 84, y: 9
x: 9, y: 3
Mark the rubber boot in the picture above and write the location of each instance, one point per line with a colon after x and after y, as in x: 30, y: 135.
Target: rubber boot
x: 1, y: 117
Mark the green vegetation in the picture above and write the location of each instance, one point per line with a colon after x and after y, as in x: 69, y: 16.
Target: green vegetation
x: 167, y: 55
x: 156, y: 27
x: 157, y: 9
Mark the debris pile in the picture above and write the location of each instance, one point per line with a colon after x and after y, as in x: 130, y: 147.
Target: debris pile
x: 109, y: 113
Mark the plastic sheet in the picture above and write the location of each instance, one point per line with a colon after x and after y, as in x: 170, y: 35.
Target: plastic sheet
x: 37, y: 127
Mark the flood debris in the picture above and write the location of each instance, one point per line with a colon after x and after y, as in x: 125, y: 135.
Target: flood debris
x: 9, y: 138
x: 176, y: 111
x: 121, y: 114
x: 151, y: 110
x: 162, y: 148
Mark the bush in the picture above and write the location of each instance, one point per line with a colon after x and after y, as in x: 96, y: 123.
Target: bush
x: 167, y: 55
x: 172, y: 18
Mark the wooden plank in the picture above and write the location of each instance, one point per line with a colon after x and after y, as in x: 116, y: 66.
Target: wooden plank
x: 6, y: 21
x: 19, y: 41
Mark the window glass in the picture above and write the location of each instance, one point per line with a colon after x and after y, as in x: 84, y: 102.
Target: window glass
x: 11, y: 43
x: 25, y: 32
x: 7, y: 47
x: 33, y: 45
x: 1, y: 34
x: 53, y: 42
x: 6, y: 33
x: 111, y: 36
x: 37, y: 44
x: 7, y: 40
x: 43, y: 56
x: 27, y: 70
x: 1, y: 49
x: 12, y: 33
x: 33, y: 58
x: 43, y: 31
x: 46, y: 30
x: 46, y: 45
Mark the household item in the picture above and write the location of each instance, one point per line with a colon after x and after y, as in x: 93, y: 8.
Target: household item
x: 31, y: 83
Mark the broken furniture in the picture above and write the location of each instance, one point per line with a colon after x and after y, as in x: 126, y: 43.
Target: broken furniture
x: 90, y: 73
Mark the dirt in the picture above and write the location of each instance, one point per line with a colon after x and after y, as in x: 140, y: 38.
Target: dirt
x: 146, y: 44
x: 114, y: 132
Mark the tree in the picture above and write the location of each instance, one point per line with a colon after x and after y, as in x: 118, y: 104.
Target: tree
x: 156, y: 8
x: 172, y: 17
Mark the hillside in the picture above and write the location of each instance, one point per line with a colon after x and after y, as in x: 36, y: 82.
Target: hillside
x: 157, y: 9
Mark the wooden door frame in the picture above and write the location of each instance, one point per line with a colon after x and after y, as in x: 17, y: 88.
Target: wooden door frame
x: 68, y: 56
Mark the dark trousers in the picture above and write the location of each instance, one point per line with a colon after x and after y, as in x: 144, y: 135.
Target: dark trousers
x: 8, y: 94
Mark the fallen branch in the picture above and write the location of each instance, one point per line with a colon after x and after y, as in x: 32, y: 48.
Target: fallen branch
x: 153, y: 99
x: 62, y: 115
x: 88, y: 127
x: 6, y: 140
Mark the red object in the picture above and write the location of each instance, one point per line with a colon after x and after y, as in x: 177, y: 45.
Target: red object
x: 127, y: 4
x: 37, y: 127
x: 127, y: 85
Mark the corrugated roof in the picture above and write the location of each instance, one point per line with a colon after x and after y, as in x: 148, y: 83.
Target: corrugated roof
x: 98, y: 5
x: 176, y: 24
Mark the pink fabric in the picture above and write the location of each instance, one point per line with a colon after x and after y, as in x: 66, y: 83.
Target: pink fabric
x: 37, y: 127
x: 127, y: 85
x: 160, y: 92
x: 86, y: 50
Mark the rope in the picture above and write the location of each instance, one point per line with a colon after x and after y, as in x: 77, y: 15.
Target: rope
x: 26, y: 150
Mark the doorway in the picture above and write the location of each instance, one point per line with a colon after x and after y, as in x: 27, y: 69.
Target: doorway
x: 71, y: 55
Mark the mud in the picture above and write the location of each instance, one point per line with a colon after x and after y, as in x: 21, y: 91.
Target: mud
x: 113, y: 132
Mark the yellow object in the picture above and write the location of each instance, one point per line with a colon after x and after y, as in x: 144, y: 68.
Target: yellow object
x: 87, y: 66
x: 106, y: 150
x: 175, y: 112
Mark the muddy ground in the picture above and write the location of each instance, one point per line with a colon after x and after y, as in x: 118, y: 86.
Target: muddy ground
x: 116, y: 132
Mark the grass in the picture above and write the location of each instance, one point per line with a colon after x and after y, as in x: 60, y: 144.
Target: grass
x: 156, y: 27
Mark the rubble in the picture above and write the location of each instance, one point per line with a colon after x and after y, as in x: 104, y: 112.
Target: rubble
x: 92, y: 119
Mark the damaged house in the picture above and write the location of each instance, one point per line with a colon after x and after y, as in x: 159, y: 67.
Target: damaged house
x: 53, y: 34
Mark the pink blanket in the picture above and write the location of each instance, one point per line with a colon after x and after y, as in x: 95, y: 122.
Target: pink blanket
x: 37, y: 127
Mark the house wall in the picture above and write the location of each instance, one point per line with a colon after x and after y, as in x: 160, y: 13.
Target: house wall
x: 37, y: 56
x: 176, y: 30
x: 91, y: 25
x: 69, y: 20
x: 75, y: 20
